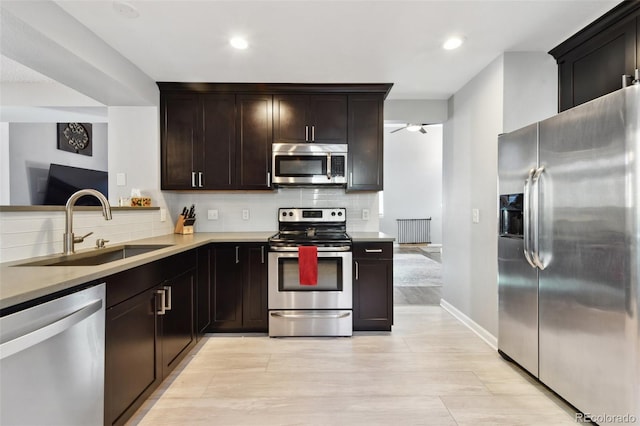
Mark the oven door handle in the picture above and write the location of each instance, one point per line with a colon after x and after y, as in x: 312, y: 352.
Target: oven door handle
x: 311, y: 315
x: 324, y: 249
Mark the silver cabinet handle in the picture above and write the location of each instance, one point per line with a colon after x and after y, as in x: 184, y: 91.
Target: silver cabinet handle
x: 262, y: 253
x: 357, y: 270
x: 536, y: 218
x: 306, y: 133
x: 39, y: 335
x: 313, y: 133
x: 167, y: 289
x: 268, y: 179
x: 350, y: 178
x: 237, y: 254
x: 163, y: 301
x: 200, y: 176
x: 329, y: 165
x: 527, y: 218
x: 373, y: 250
x: 193, y: 179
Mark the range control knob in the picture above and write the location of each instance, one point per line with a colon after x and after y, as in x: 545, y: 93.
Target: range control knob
x: 333, y: 213
x: 339, y: 213
x: 284, y: 213
x: 290, y: 213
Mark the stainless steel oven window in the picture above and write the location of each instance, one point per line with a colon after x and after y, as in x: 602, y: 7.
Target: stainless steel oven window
x: 329, y: 275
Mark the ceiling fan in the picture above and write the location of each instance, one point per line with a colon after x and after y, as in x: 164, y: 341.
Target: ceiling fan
x: 412, y: 128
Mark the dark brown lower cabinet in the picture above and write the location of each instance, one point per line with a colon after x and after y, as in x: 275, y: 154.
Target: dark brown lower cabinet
x: 149, y: 329
x: 238, y: 274
x: 372, y: 286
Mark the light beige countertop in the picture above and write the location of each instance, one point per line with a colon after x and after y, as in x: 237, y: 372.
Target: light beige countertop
x: 370, y: 236
x: 20, y: 284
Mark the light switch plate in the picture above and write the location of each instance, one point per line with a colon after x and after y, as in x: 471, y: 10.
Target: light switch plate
x: 121, y: 179
x: 365, y: 214
x: 245, y: 214
x: 163, y: 215
x: 212, y: 214
x: 475, y: 214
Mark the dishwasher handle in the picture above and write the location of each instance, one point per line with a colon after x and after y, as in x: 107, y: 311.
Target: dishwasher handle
x: 39, y: 335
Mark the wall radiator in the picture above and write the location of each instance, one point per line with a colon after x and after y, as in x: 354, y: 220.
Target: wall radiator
x: 414, y: 231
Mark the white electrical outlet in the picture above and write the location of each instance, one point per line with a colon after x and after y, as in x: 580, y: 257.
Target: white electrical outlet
x: 121, y: 179
x: 245, y: 214
x: 365, y: 214
x: 475, y: 214
x: 212, y: 214
x: 163, y: 215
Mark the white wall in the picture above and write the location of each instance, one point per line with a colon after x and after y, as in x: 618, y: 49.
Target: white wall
x: 500, y: 95
x: 5, y: 187
x: 33, y: 147
x: 413, y: 179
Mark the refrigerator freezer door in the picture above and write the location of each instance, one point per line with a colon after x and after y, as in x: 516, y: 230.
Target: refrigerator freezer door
x: 589, y: 244
x: 517, y: 279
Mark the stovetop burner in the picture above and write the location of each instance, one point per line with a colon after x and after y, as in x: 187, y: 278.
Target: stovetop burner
x: 323, y: 227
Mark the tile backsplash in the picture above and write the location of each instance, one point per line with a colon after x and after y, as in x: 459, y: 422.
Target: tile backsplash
x: 28, y: 234
x: 263, y: 207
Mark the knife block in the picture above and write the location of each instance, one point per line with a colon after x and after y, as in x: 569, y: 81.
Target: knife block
x: 184, y: 226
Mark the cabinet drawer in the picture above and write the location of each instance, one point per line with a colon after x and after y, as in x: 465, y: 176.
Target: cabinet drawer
x: 373, y: 250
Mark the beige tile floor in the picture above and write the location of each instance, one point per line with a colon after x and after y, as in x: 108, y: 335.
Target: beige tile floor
x: 430, y: 370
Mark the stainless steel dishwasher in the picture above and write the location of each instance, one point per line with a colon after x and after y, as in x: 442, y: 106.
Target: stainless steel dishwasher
x: 52, y: 361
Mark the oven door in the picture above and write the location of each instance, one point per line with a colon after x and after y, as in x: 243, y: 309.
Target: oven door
x: 334, y: 288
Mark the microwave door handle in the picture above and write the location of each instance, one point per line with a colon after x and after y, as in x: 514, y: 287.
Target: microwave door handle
x: 329, y: 166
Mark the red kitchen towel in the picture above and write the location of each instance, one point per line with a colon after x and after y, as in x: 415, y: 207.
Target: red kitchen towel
x: 308, y: 265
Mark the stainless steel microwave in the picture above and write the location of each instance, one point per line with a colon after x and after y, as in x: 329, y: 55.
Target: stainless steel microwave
x: 309, y: 164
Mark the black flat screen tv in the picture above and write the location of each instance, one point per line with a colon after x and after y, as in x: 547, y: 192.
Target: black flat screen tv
x: 65, y: 180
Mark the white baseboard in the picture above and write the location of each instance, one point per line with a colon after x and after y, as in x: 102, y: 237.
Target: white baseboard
x: 488, y: 338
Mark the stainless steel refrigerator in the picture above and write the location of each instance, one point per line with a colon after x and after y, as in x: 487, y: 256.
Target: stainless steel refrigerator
x: 568, y: 253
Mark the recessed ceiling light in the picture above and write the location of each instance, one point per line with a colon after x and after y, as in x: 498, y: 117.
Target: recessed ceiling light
x: 125, y: 9
x: 453, y: 43
x: 239, y: 43
x: 414, y: 127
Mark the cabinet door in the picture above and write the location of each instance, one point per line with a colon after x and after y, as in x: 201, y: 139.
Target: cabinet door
x: 328, y: 118
x: 132, y: 364
x: 254, y: 138
x: 254, y: 295
x: 365, y: 143
x: 181, y: 142
x: 219, y: 127
x: 226, y: 287
x: 203, y: 292
x: 373, y: 294
x: 290, y: 121
x: 595, y: 67
x: 177, y: 321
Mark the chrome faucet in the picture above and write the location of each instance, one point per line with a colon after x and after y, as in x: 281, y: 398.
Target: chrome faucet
x: 68, y: 239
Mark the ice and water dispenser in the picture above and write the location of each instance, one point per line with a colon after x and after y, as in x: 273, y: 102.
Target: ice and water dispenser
x: 511, y: 221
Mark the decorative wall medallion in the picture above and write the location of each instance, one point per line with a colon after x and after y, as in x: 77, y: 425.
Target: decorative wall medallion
x: 75, y: 137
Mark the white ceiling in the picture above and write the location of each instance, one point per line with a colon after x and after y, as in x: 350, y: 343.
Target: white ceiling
x: 324, y: 41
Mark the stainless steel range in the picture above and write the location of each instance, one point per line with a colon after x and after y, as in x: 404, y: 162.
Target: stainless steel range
x: 322, y: 307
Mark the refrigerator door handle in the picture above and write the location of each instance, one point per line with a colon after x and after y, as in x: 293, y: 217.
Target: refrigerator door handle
x: 536, y: 219
x: 527, y: 218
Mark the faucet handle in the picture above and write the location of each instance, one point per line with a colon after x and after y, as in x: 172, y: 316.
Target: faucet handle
x: 100, y: 242
x: 81, y: 239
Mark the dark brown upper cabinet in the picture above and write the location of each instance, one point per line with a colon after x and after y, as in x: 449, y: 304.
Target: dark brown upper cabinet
x: 310, y: 118
x: 365, y: 143
x: 215, y: 141
x: 592, y: 62
x: 217, y: 136
x: 182, y: 145
x: 254, y: 139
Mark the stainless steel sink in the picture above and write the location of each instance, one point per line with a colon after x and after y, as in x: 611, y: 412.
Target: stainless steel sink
x: 98, y: 256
